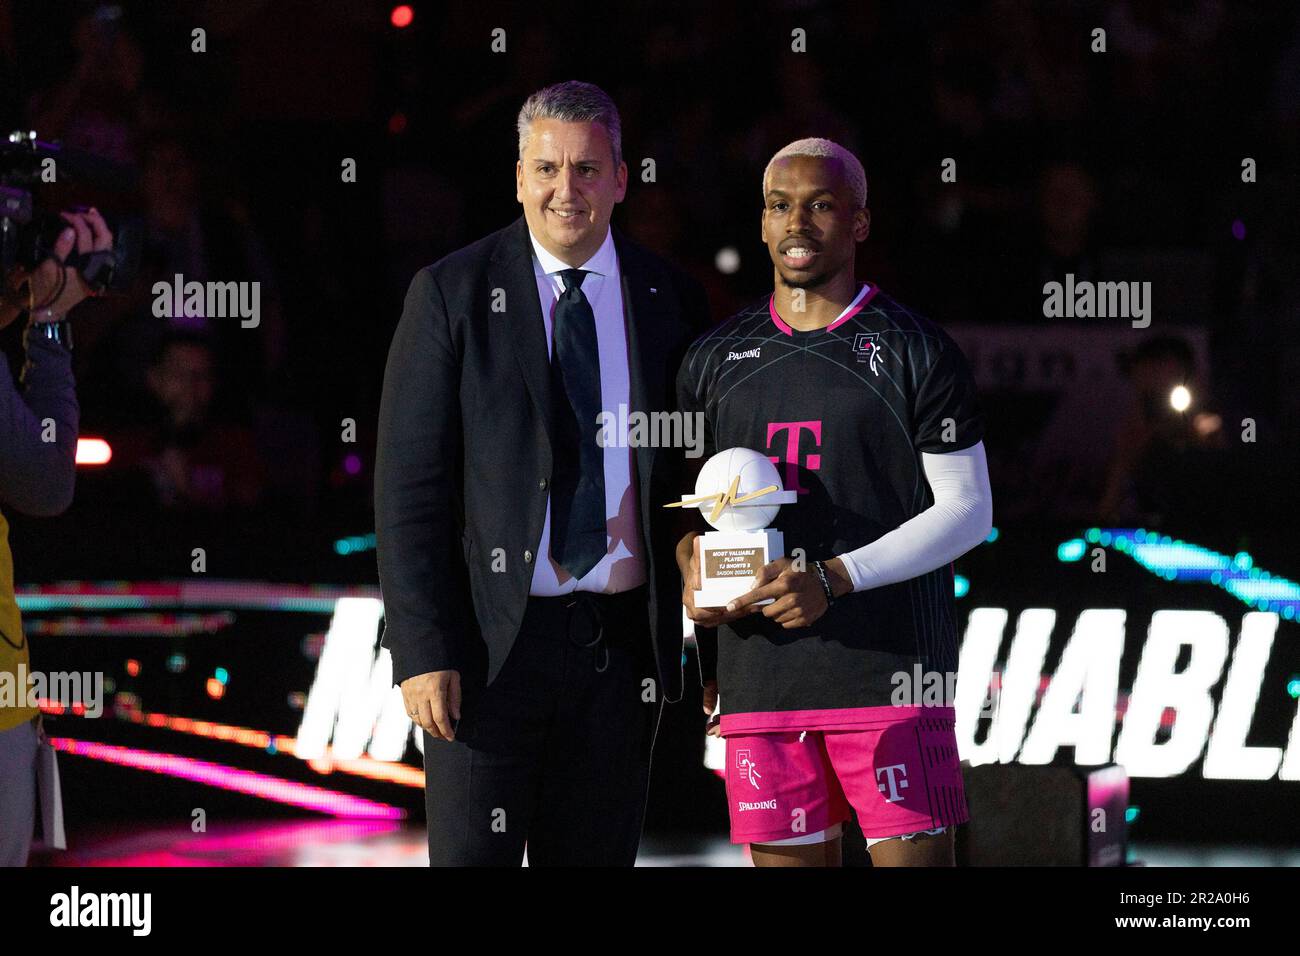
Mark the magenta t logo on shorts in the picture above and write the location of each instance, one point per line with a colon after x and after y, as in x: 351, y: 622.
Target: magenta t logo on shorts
x: 894, y: 783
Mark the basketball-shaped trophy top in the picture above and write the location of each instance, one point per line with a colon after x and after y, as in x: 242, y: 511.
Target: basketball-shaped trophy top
x: 750, y: 471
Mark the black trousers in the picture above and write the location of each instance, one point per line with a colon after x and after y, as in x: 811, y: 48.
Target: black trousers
x: 555, y: 753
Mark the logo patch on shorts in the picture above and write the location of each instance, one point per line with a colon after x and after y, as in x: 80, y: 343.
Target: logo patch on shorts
x: 749, y: 771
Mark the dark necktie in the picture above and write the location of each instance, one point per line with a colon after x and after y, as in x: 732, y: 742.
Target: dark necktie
x: 578, y: 470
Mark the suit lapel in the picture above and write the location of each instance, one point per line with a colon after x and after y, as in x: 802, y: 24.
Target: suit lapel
x: 642, y: 303
x: 511, y: 270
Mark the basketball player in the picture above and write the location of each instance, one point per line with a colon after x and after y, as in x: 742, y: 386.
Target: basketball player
x: 870, y: 414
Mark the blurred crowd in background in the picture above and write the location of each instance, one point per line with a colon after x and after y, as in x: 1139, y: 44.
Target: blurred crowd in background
x: 1124, y: 165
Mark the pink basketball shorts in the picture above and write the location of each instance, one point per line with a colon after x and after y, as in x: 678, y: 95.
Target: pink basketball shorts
x: 901, y: 778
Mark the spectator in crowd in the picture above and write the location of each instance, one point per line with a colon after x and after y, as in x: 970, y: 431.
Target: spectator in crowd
x: 1158, y: 475
x: 100, y: 107
x: 189, y: 458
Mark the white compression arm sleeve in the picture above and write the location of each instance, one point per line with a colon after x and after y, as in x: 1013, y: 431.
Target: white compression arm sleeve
x: 959, y: 519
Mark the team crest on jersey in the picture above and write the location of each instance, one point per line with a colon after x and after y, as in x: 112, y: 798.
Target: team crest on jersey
x: 866, y: 346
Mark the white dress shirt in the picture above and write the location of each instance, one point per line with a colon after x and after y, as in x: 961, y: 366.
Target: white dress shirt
x: 623, y: 566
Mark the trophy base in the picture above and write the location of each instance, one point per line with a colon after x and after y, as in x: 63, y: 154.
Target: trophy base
x: 720, y: 598
x: 729, y: 562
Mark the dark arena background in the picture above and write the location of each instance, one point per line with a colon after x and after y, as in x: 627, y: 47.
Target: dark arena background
x: 1128, y: 635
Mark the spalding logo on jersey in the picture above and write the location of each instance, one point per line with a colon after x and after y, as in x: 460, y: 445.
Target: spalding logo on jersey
x: 866, y: 348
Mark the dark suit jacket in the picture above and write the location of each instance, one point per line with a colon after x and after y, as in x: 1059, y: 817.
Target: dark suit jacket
x: 464, y: 450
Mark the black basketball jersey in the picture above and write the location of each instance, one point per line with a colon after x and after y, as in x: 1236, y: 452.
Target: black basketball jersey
x: 844, y: 412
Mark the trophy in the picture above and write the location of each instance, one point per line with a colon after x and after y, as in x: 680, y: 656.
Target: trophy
x: 739, y: 493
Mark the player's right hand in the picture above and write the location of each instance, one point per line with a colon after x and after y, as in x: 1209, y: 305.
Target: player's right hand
x: 703, y: 616
x: 432, y: 700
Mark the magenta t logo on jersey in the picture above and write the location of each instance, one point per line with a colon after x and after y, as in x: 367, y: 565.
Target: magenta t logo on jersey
x: 790, y: 460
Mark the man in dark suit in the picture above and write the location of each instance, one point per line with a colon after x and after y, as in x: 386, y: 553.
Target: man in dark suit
x: 532, y: 597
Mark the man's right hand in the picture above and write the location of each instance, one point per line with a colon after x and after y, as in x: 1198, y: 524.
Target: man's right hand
x: 710, y: 705
x: 432, y: 700
x: 703, y: 616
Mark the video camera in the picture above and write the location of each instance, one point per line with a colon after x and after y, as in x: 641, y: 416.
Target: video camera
x: 28, y: 232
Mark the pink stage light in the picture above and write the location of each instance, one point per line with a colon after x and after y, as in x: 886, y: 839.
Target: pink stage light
x: 93, y: 451
x: 288, y: 792
x: 131, y: 625
x: 226, y: 595
x: 263, y: 843
x: 365, y: 766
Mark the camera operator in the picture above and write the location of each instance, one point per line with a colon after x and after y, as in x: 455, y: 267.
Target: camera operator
x: 38, y: 446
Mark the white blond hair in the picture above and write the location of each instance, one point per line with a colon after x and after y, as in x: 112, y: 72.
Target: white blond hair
x: 824, y: 149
